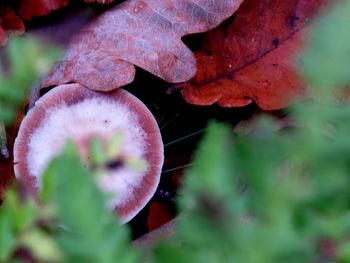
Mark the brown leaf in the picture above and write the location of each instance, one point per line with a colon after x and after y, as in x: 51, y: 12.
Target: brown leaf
x: 159, y: 214
x: 253, y: 57
x: 31, y: 8
x: 7, y: 175
x: 9, y: 23
x: 149, y: 240
x: 145, y: 33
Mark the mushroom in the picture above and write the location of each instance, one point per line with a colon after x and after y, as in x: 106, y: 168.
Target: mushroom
x: 74, y: 112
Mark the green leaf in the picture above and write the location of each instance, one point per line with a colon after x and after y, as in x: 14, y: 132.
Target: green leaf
x: 41, y: 245
x: 89, y: 232
x: 97, y: 152
x: 7, y: 235
x: 15, y: 218
x: 28, y: 59
x: 213, y: 169
x: 326, y: 60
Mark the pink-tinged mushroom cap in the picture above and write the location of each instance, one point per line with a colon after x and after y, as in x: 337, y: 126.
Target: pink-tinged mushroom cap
x: 77, y: 113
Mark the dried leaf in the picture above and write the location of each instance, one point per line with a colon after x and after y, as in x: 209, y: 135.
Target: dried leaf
x: 253, y: 57
x: 149, y: 240
x: 159, y: 214
x: 145, y: 33
x: 6, y: 164
x: 6, y: 174
x: 31, y: 8
x: 9, y: 23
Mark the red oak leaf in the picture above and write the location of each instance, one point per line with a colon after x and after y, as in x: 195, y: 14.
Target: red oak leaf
x: 30, y: 8
x: 146, y: 33
x: 159, y: 214
x: 253, y: 57
x: 9, y: 23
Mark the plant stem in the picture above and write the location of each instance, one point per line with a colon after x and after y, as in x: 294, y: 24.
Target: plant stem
x: 3, y: 141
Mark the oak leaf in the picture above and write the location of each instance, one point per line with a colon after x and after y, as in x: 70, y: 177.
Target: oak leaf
x: 9, y: 23
x: 145, y: 33
x: 31, y: 8
x: 159, y: 214
x: 253, y: 57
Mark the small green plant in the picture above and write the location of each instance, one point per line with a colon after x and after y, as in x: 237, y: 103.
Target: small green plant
x: 27, y: 59
x: 72, y: 223
x: 86, y: 230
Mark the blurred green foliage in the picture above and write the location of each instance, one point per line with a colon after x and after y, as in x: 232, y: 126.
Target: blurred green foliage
x: 89, y: 232
x: 272, y: 195
x: 24, y: 60
x: 15, y: 218
x: 72, y: 223
x: 325, y: 60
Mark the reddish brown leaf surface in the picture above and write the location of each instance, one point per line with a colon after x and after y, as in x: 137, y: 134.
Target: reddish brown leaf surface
x: 145, y: 33
x: 6, y: 175
x: 159, y: 214
x: 254, y: 56
x: 31, y: 8
x: 27, y: 9
x: 9, y: 23
x: 149, y: 240
x: 6, y: 165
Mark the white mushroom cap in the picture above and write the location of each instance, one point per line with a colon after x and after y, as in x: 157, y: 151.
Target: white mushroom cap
x: 77, y: 113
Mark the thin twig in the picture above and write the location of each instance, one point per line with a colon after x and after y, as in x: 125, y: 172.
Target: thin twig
x: 3, y: 141
x: 185, y: 137
x: 177, y: 168
x: 168, y: 122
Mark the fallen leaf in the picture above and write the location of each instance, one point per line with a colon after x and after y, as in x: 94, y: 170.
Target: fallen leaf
x: 7, y: 174
x: 30, y: 8
x: 145, y: 33
x: 159, y: 214
x: 253, y: 56
x: 9, y: 23
x: 147, y: 242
